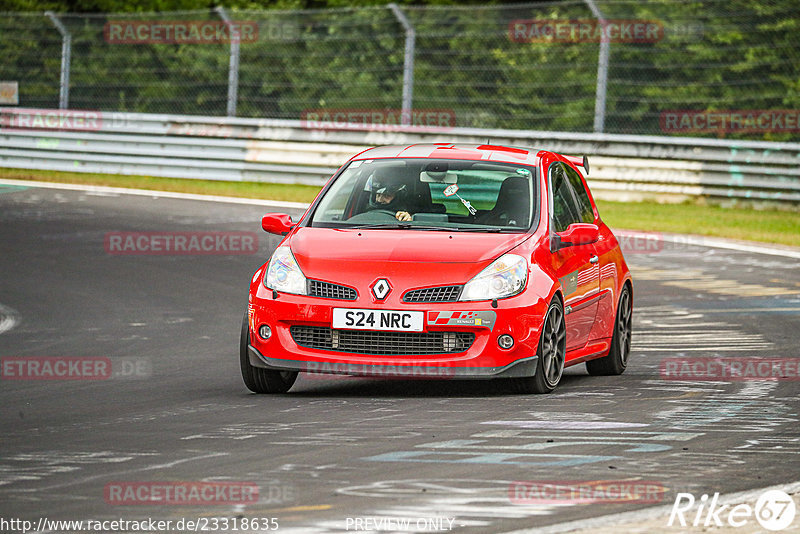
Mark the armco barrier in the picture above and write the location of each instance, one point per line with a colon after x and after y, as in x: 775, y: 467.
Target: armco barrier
x: 284, y: 151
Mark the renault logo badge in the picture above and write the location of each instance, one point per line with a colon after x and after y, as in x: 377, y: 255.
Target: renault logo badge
x: 381, y: 289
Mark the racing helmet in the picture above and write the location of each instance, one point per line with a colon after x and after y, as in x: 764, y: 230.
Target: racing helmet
x: 384, y: 182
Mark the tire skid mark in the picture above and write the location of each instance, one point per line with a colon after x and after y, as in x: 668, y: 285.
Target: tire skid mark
x: 703, y: 282
x: 670, y: 329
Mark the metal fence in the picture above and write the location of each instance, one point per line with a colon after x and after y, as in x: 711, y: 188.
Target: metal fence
x: 623, y: 167
x: 614, y: 66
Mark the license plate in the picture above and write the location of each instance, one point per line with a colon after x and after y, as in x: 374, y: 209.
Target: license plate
x: 391, y: 320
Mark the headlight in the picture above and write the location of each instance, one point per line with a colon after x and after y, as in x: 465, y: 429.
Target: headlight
x: 283, y: 273
x: 506, y: 276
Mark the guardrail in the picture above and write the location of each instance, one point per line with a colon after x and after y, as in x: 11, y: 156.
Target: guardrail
x: 283, y: 151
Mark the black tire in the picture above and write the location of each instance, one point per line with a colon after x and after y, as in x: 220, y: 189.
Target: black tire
x: 257, y: 379
x: 552, y: 350
x: 615, y: 362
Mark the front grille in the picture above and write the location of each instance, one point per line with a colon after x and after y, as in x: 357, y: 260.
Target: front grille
x: 433, y: 294
x: 327, y: 290
x: 381, y: 343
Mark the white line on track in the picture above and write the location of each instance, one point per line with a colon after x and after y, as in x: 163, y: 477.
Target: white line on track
x: 713, y: 242
x: 156, y: 194
x: 682, y: 239
x: 732, y: 245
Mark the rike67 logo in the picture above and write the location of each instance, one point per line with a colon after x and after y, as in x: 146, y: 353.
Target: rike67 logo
x: 774, y: 510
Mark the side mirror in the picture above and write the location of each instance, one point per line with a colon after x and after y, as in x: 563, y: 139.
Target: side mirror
x: 276, y: 223
x: 575, y: 234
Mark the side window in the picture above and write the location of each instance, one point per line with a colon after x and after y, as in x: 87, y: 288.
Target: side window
x: 581, y: 196
x: 564, y: 210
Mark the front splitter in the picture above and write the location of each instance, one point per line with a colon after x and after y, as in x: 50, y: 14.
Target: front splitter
x: 525, y: 367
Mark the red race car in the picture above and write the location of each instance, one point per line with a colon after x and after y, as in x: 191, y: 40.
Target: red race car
x: 442, y: 261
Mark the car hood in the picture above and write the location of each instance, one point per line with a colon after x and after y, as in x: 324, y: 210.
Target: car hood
x: 437, y: 256
x: 417, y: 246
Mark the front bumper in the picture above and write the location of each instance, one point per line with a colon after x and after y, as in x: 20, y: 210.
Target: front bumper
x: 520, y: 368
x: 520, y: 317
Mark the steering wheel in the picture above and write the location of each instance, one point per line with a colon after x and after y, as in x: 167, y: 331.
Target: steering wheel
x: 376, y: 215
x: 390, y: 213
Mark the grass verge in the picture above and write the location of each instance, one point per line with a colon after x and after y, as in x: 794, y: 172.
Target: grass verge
x: 769, y: 226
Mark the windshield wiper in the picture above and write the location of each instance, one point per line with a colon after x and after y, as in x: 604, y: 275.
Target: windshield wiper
x: 404, y: 226
x: 437, y: 228
x: 382, y: 226
x: 409, y: 226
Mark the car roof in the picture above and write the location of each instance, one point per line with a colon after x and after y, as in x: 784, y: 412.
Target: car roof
x: 520, y: 155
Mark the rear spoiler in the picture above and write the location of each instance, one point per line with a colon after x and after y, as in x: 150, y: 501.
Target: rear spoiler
x: 579, y: 162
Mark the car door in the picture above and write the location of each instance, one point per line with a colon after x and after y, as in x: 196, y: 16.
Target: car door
x: 576, y: 266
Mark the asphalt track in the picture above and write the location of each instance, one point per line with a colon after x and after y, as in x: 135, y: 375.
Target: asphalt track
x: 338, y: 449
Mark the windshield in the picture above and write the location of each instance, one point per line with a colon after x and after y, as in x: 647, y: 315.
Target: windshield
x: 430, y: 194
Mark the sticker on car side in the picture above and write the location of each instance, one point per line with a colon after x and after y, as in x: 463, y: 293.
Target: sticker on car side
x: 569, y: 283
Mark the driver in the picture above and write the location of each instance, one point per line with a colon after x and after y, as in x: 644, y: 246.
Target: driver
x: 390, y: 195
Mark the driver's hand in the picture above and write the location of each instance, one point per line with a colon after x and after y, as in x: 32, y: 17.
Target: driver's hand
x: 402, y: 216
